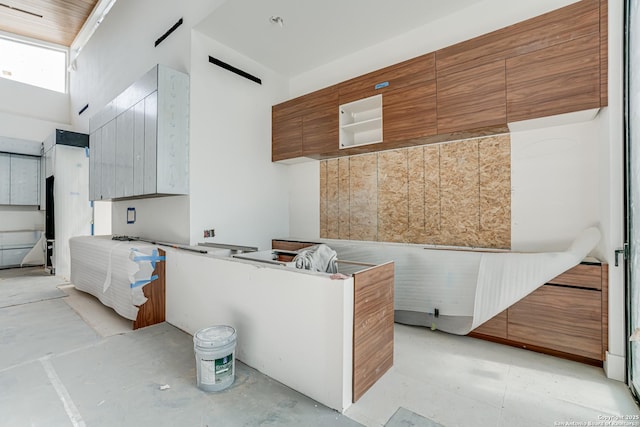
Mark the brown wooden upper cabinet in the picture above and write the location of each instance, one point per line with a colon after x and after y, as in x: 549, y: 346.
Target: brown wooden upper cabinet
x: 472, y: 99
x: 550, y: 64
x: 555, y: 80
x: 408, y: 97
x: 305, y: 125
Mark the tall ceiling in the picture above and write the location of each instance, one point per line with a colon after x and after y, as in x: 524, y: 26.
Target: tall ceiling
x: 316, y: 32
x: 53, y: 21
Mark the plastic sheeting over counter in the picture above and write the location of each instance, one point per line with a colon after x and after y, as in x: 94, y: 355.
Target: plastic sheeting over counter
x: 113, y: 271
x: 458, y: 290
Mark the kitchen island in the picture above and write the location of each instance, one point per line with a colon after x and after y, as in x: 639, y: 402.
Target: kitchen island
x: 330, y: 339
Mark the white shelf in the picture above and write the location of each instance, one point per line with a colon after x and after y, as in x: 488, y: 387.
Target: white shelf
x: 363, y: 126
x: 361, y: 122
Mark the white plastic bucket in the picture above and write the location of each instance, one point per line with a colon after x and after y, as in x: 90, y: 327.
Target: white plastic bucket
x: 215, y: 363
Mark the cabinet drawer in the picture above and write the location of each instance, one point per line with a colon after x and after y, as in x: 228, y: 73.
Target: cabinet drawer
x: 396, y: 76
x: 287, y: 245
x: 582, y: 275
x: 559, y: 318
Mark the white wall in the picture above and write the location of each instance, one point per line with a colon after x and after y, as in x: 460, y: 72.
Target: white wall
x: 36, y: 103
x: 554, y: 185
x: 163, y: 219
x: 235, y: 188
x: 122, y: 50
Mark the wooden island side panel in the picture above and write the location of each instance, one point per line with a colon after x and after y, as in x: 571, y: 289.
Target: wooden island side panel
x: 372, y: 326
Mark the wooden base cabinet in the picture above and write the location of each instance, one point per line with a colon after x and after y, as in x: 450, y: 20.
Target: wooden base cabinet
x: 566, y: 317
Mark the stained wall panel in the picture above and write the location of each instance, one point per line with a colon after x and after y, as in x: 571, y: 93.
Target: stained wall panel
x: 333, y: 209
x: 323, y: 199
x: 456, y: 193
x: 393, y: 211
x: 416, y: 192
x: 343, y: 198
x: 363, y: 206
x: 495, y: 191
x: 432, y: 190
x: 459, y: 193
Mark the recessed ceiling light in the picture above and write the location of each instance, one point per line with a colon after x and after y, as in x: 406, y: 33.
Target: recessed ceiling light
x: 277, y: 20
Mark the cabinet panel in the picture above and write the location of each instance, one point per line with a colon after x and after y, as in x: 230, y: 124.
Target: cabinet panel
x: 5, y: 179
x: 286, y: 137
x: 558, y: 26
x: 556, y: 80
x: 410, y: 112
x: 494, y: 327
x: 172, y: 155
x: 604, y: 53
x: 390, y: 78
x: 138, y: 148
x: 124, y: 154
x: 94, y: 173
x: 559, y: 318
x: 108, y: 158
x: 320, y: 130
x: 582, y: 275
x: 25, y: 180
x: 150, y: 147
x: 472, y: 99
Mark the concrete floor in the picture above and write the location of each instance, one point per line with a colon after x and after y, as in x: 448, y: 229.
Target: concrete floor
x: 65, y: 360
x: 56, y: 370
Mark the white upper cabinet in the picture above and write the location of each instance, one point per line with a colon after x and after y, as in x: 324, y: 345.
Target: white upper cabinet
x: 5, y: 179
x: 25, y: 180
x: 141, y: 139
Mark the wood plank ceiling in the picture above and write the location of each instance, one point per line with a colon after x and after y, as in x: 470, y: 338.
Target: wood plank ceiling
x: 53, y: 21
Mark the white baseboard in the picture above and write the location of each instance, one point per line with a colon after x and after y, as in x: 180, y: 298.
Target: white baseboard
x: 615, y: 367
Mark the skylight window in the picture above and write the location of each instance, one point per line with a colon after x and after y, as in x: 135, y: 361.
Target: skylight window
x: 36, y: 65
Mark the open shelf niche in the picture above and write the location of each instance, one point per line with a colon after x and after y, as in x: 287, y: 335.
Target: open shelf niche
x: 361, y: 122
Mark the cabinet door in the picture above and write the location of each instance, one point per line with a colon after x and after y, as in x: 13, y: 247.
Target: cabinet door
x: 5, y: 179
x: 92, y: 166
x: 494, y: 327
x: 320, y: 130
x: 394, y: 77
x: 124, y: 154
x: 472, y: 99
x: 108, y: 156
x: 25, y: 180
x: 138, y: 149
x: 150, y: 143
x: 95, y: 165
x: 559, y: 318
x: 555, y: 80
x: 410, y: 112
x: 286, y: 136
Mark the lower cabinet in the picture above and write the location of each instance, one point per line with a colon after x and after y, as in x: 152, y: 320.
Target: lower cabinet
x: 566, y: 317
